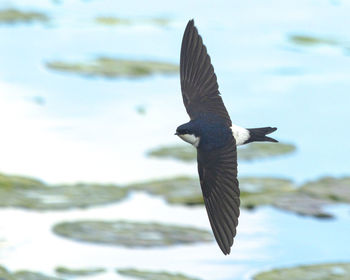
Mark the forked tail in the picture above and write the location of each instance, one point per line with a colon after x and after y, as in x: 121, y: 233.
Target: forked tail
x: 259, y: 134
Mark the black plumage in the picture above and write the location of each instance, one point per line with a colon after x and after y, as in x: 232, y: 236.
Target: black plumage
x: 211, y: 131
x: 218, y: 178
x: 216, y: 153
x: 200, y: 90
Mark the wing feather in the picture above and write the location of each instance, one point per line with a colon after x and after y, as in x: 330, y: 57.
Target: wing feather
x: 200, y: 90
x: 218, y: 177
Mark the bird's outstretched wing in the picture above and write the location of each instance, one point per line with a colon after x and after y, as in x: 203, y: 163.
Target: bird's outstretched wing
x: 218, y: 177
x: 200, y: 90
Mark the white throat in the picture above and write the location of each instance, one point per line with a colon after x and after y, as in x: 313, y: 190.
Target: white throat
x: 241, y: 134
x: 190, y: 138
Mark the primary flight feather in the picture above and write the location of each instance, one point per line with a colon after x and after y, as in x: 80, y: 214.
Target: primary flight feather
x: 211, y: 131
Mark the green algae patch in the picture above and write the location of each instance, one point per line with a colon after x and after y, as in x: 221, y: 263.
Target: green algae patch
x: 314, y: 41
x: 176, y: 190
x: 108, y: 67
x: 112, y: 21
x: 302, y: 204
x: 186, y: 153
x: 13, y: 16
x: 336, y: 271
x: 5, y: 274
x: 281, y: 194
x: 131, y: 234
x: 24, y: 275
x: 109, y: 20
x: 29, y: 275
x: 9, y: 183
x: 308, y: 40
x: 153, y: 275
x: 257, y: 191
x: 329, y: 188
x: 160, y: 21
x: 141, y: 110
x: 69, y: 272
x: 253, y: 151
x: 259, y: 185
x: 22, y: 192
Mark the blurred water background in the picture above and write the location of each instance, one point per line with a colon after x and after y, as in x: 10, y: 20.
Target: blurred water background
x: 279, y: 63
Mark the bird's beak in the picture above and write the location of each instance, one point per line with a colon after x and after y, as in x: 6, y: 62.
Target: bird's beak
x: 176, y: 133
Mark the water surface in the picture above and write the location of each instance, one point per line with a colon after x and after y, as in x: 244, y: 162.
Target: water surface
x: 65, y: 128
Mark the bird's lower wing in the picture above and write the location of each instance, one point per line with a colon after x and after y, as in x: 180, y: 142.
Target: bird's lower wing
x: 218, y: 177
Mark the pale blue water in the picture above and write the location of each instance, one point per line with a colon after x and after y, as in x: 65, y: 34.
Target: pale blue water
x: 89, y: 130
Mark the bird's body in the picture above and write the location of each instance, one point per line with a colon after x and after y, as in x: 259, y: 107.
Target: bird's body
x: 240, y: 134
x: 211, y: 131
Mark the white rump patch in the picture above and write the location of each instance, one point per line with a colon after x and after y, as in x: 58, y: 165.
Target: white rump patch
x: 240, y: 133
x: 190, y: 138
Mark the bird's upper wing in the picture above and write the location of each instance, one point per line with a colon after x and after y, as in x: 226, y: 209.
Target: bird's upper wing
x: 200, y: 90
x: 218, y: 177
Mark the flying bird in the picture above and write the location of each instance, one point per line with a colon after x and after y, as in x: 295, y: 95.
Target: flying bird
x: 216, y: 138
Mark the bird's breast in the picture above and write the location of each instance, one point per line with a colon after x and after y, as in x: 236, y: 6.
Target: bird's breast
x: 190, y: 138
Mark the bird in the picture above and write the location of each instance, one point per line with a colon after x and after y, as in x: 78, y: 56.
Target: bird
x: 211, y: 131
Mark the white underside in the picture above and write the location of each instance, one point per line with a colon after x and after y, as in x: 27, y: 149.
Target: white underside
x: 190, y: 138
x: 241, y: 134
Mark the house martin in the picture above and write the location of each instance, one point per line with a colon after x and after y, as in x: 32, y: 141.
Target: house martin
x: 211, y: 131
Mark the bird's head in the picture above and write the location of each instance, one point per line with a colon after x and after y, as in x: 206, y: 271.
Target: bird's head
x: 187, y: 133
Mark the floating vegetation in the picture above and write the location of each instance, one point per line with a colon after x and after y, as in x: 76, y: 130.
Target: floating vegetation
x: 161, y: 21
x: 29, y: 275
x: 8, y: 182
x: 141, y: 110
x: 5, y: 274
x: 336, y: 271
x: 329, y: 188
x: 13, y: 16
x: 253, y: 151
x: 308, y: 40
x: 24, y: 275
x: 309, y: 199
x: 112, y: 20
x: 177, y: 190
x: 109, y: 20
x: 153, y: 275
x: 257, y: 191
x: 131, y: 234
x: 185, y: 153
x: 29, y: 193
x: 312, y: 41
x: 281, y: 193
x: 261, y: 185
x: 302, y: 204
x: 113, y: 68
x: 79, y: 272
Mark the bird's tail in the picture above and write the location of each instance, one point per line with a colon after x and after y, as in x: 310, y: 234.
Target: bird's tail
x: 259, y: 134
